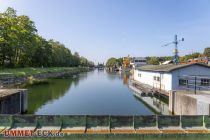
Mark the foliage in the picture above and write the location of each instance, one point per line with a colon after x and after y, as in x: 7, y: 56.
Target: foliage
x: 190, y: 56
x: 21, y: 46
x: 153, y: 60
x: 111, y: 62
x: 206, y: 52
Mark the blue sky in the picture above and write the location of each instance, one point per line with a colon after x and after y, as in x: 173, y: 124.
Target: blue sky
x: 99, y: 29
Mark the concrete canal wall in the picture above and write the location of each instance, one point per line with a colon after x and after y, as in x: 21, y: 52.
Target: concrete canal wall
x: 186, y: 103
x: 108, y: 124
x: 10, y: 79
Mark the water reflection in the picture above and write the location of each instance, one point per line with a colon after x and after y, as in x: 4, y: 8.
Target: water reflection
x: 93, y: 93
x: 40, y: 95
x: 156, y: 105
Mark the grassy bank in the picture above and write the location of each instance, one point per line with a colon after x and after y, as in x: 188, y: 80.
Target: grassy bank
x: 20, y: 72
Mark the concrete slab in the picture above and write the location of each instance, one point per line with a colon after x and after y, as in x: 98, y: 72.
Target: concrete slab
x: 123, y: 130
x: 172, y: 130
x: 98, y: 130
x: 196, y: 130
x: 8, y: 92
x: 148, y: 131
x: 73, y: 130
x: 31, y: 128
x: 50, y: 128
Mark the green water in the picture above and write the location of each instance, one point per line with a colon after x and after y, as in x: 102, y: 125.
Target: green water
x: 91, y: 93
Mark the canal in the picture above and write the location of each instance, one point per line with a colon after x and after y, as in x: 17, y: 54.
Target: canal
x: 93, y: 93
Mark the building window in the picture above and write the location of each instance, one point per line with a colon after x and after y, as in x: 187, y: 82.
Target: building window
x: 154, y: 78
x: 183, y: 82
x: 205, y: 82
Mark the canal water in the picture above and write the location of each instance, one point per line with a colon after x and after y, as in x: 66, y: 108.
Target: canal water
x: 93, y: 93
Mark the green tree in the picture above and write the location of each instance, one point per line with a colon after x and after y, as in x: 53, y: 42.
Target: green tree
x: 111, y: 62
x: 190, y: 56
x: 206, y: 52
x: 153, y: 60
x: 17, y: 34
x: 21, y: 46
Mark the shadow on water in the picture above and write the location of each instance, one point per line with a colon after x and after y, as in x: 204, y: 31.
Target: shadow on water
x: 39, y: 95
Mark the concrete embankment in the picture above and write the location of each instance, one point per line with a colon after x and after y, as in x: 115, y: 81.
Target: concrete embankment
x: 11, y: 79
x: 188, y: 103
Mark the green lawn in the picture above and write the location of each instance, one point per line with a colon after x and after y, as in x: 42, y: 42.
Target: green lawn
x: 18, y: 72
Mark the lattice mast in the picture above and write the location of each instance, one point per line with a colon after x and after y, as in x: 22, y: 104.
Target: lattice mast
x: 176, y: 52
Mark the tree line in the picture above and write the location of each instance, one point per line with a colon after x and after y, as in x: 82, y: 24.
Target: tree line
x: 111, y: 62
x: 185, y: 58
x: 114, y: 62
x: 21, y: 46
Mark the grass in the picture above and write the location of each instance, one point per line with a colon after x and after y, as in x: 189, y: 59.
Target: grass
x: 19, y: 72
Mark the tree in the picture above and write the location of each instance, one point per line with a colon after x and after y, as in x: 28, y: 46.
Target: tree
x: 111, y: 62
x: 190, y: 56
x: 206, y: 52
x: 21, y: 46
x: 17, y: 33
x: 153, y: 60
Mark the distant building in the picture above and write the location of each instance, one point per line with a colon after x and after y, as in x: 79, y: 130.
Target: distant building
x: 204, y: 60
x: 138, y: 61
x: 168, y: 77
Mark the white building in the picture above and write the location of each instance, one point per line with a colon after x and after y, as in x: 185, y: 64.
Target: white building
x: 169, y: 77
x: 138, y: 61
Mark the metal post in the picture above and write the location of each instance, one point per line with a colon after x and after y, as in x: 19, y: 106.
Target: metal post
x: 173, y: 102
x: 176, y: 57
x: 85, y: 123
x: 160, y: 82
x: 20, y: 106
x: 195, y: 85
x: 180, y: 121
x: 204, y: 123
x: 134, y: 122
x: 109, y: 123
x: 157, y: 123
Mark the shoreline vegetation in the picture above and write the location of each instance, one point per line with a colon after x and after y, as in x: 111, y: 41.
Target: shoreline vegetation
x: 27, y: 57
x: 21, y: 46
x: 31, y: 76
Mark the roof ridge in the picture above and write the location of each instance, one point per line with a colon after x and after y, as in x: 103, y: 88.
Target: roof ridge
x: 168, y: 67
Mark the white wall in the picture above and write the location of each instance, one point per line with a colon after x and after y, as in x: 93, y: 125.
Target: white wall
x: 170, y: 81
x: 148, y: 78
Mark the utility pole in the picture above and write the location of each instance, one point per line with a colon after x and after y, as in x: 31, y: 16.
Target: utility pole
x: 195, y: 85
